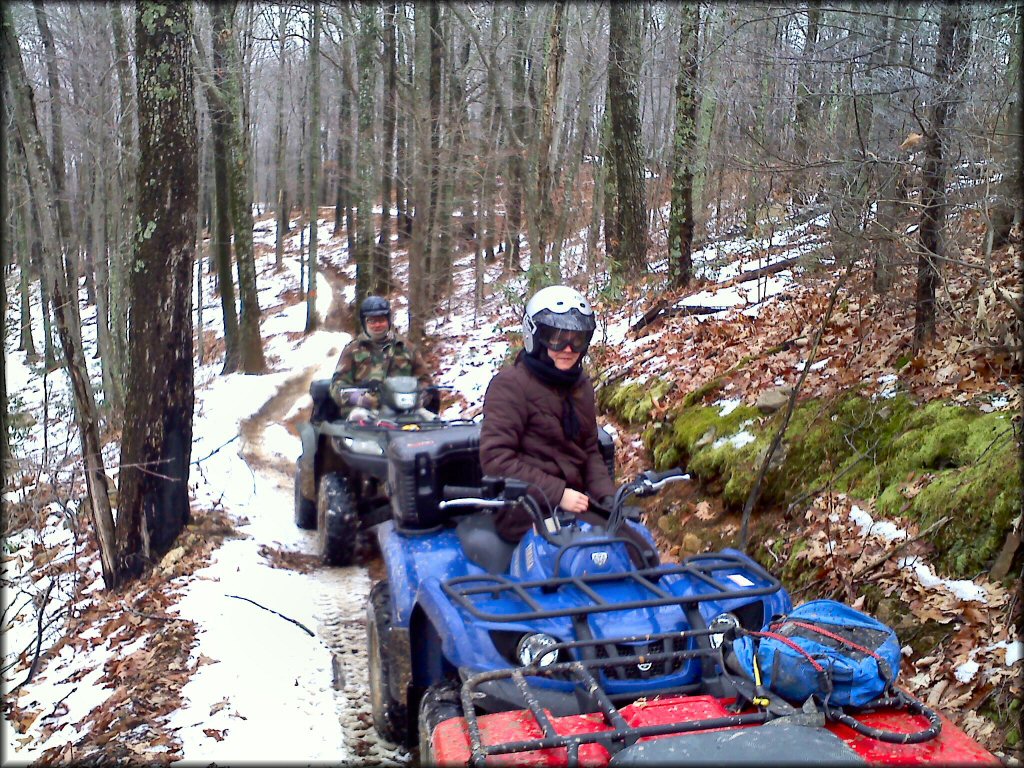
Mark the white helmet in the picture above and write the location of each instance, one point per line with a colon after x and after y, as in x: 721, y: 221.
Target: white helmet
x: 555, y: 309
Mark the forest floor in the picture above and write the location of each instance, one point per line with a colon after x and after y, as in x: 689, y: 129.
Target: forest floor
x: 240, y: 646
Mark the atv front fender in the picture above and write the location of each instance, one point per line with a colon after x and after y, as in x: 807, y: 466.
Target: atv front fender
x: 463, y: 644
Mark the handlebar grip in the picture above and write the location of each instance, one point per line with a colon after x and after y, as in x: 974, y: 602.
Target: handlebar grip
x: 657, y: 477
x: 461, y: 492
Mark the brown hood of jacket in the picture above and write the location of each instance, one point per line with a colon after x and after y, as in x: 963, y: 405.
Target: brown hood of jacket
x: 521, y: 436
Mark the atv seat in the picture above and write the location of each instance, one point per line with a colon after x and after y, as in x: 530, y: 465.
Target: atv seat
x: 324, y: 407
x: 482, y: 544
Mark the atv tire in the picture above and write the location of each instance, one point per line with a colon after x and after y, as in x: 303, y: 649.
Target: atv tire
x: 337, y: 521
x: 305, y: 510
x: 440, y: 702
x: 390, y: 716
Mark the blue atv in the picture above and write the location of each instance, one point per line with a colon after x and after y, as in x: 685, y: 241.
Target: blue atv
x: 459, y: 602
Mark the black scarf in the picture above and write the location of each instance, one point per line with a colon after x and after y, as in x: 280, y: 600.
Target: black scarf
x: 544, y: 369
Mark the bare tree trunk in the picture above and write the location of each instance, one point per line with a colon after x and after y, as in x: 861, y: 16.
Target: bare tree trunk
x: 156, y: 447
x: 517, y: 132
x: 681, y: 223
x: 56, y: 125
x: 950, y: 58
x: 19, y: 204
x: 281, y: 135
x: 369, y: 276
x: 343, y: 182
x: 221, y: 239
x: 383, y: 255
x: 7, y: 462
x: 422, y: 170
x: 228, y: 80
x: 112, y: 392
x: 625, y: 37
x: 807, y: 105
x: 546, y: 181
x: 41, y: 187
x: 1007, y: 208
x: 436, y: 51
x: 312, y: 316
x: 610, y: 190
x: 127, y: 161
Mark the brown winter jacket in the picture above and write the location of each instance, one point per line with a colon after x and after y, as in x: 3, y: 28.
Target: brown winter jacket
x: 522, y: 437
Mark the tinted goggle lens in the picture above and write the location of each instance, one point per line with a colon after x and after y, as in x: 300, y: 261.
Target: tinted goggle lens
x: 557, y: 339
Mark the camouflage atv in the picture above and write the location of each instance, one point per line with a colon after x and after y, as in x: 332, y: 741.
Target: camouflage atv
x: 341, y: 476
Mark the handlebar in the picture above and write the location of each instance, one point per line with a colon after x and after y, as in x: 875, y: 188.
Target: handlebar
x: 652, y: 482
x: 497, y: 493
x: 461, y: 491
x: 472, y: 502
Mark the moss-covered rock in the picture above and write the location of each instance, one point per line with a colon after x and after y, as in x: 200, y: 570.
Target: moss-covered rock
x: 632, y: 401
x: 921, y: 462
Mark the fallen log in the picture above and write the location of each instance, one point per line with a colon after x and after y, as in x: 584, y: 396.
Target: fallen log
x: 661, y: 307
x: 683, y: 309
x: 755, y: 274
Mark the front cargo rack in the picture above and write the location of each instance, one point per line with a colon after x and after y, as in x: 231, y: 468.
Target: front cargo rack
x: 617, y: 733
x: 469, y: 592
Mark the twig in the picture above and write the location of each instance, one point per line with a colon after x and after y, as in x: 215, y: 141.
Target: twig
x: 154, y: 616
x: 886, y: 555
x: 215, y: 450
x: 64, y: 698
x: 299, y: 624
x: 39, y: 637
x: 755, y: 492
x: 807, y: 494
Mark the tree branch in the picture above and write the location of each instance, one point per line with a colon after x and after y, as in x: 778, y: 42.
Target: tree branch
x: 755, y: 492
x: 299, y: 624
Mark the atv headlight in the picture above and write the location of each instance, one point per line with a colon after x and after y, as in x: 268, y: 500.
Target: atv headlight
x: 532, y: 649
x: 362, y: 445
x: 405, y: 400
x: 722, y: 623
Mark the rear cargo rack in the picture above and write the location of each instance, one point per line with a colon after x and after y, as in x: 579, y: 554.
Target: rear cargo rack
x: 469, y: 592
x: 619, y: 733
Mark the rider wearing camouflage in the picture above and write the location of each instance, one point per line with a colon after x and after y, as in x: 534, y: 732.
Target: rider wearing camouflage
x: 377, y: 352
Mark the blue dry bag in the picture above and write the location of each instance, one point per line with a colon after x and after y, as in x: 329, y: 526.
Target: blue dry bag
x: 823, y: 649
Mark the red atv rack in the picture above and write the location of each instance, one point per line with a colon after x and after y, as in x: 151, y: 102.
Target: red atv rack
x: 689, y: 728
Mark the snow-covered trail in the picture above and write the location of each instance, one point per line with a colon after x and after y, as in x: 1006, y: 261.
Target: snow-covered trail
x: 334, y: 597
x: 341, y: 593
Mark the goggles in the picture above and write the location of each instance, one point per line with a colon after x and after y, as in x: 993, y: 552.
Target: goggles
x: 558, y: 339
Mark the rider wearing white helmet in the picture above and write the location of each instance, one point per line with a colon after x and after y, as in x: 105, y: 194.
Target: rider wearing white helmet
x: 540, y: 420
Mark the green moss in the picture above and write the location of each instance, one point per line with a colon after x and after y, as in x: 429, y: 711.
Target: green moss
x: 633, y: 402
x: 920, y: 462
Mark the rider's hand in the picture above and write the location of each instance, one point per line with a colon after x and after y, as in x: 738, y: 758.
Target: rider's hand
x: 369, y: 400
x: 574, y: 501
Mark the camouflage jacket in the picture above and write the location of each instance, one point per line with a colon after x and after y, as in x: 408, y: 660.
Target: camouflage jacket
x: 365, y: 360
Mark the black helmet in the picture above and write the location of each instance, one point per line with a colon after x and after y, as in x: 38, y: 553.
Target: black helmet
x: 374, y: 306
